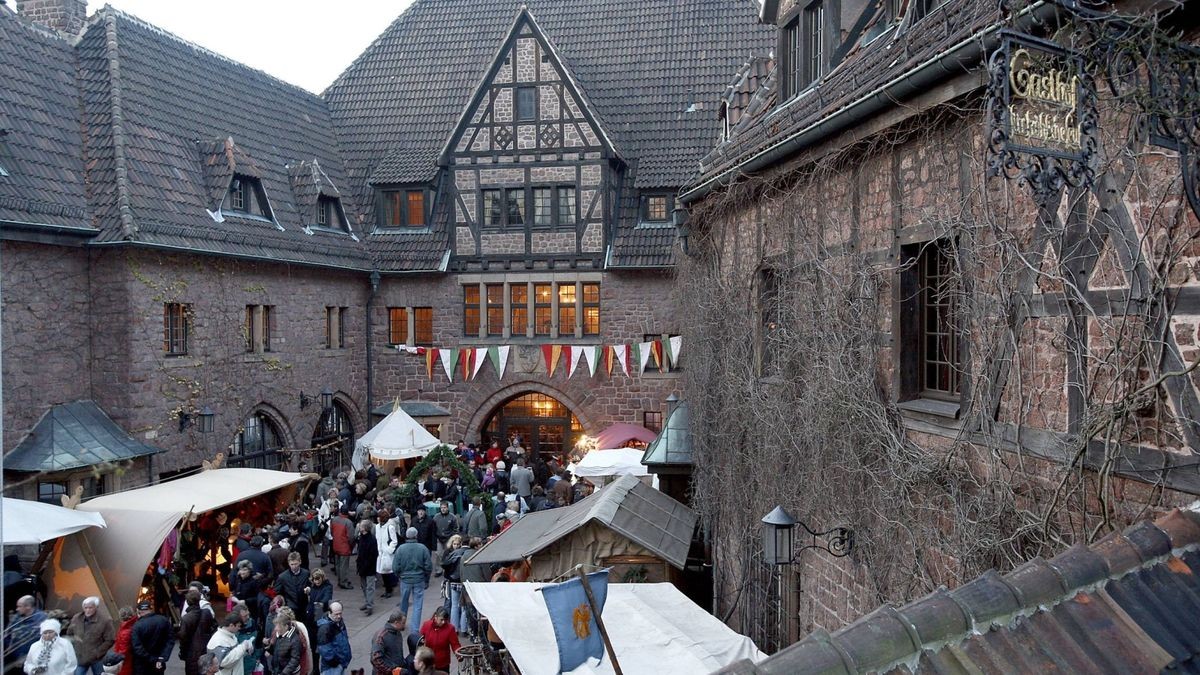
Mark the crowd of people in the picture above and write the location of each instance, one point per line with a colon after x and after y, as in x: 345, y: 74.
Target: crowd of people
x: 280, y: 616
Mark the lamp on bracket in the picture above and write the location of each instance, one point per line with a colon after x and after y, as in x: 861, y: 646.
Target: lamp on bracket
x: 679, y: 216
x: 203, y: 419
x: 325, y: 398
x: 779, y: 528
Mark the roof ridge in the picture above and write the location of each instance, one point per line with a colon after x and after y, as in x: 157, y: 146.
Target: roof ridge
x: 124, y: 210
x: 110, y: 12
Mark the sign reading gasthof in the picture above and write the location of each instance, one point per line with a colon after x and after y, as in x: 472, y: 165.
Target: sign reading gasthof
x: 1043, y: 105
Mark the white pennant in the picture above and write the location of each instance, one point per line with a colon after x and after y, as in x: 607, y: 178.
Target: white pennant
x: 480, y: 357
x: 502, y: 352
x: 576, y: 354
x: 622, y: 352
x: 444, y: 355
x: 644, y: 356
x: 589, y: 353
x: 676, y: 347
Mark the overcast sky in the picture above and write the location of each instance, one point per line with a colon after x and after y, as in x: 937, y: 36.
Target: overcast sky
x: 305, y: 42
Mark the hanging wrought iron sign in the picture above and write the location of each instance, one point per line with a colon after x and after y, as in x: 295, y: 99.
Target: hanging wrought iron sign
x: 1041, y: 114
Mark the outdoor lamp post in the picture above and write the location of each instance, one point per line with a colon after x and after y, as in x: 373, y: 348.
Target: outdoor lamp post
x: 779, y: 529
x: 326, y: 398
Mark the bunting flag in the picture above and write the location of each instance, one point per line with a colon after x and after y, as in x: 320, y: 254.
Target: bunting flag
x: 551, y: 353
x: 500, y: 360
x: 480, y: 357
x: 591, y: 353
x: 606, y: 358
x: 622, y: 352
x: 430, y: 355
x: 576, y: 356
x: 674, y: 346
x: 465, y: 357
x: 448, y: 358
x: 656, y: 349
x: 569, y: 353
x: 642, y: 350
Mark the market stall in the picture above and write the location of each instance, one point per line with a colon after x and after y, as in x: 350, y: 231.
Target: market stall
x: 653, y: 628
x: 602, y: 466
x: 143, y: 522
x: 396, y: 438
x: 623, y: 435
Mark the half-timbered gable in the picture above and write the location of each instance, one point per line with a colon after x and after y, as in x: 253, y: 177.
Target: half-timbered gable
x: 531, y: 165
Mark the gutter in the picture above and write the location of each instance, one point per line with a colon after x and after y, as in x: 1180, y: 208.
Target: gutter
x: 959, y: 58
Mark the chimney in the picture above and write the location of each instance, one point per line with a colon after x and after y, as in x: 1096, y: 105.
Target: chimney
x: 63, y: 15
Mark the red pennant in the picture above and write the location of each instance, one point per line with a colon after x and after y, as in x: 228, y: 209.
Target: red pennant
x: 465, y: 357
x: 431, y: 355
x: 606, y: 358
x: 656, y: 352
x: 567, y: 356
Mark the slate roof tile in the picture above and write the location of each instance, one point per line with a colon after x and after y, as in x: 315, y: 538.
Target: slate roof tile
x: 40, y: 147
x: 1126, y: 604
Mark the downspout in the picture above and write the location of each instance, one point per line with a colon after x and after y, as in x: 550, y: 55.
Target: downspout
x: 374, y: 278
x: 957, y: 59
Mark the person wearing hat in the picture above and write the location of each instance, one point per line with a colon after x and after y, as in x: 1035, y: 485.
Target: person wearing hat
x: 152, y: 641
x: 413, y: 564
x: 51, y: 655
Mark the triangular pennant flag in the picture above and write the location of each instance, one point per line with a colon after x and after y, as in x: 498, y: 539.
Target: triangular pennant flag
x: 465, y: 356
x: 503, y: 354
x: 494, y: 357
x: 656, y: 348
x: 642, y: 351
x: 453, y: 359
x: 430, y: 355
x: 480, y: 357
x: 569, y: 352
x: 447, y: 356
x: 674, y: 346
x: 576, y: 357
x: 606, y: 358
x: 555, y: 354
x: 622, y: 352
x: 591, y: 353
x: 548, y: 357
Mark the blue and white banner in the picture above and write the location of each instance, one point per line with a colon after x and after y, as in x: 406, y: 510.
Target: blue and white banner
x: 571, y: 614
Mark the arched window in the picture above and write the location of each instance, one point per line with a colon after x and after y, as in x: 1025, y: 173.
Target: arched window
x: 257, y: 445
x: 335, y: 431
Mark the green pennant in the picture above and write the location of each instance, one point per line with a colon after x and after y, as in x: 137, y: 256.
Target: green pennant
x: 635, y: 358
x: 494, y: 356
x: 453, y: 359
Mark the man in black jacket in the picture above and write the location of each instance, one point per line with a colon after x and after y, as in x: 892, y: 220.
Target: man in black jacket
x: 387, y: 648
x: 152, y: 641
x: 293, y: 585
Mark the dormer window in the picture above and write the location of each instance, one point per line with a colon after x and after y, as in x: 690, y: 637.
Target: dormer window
x: 404, y: 208
x: 329, y: 213
x: 803, y: 49
x: 246, y: 196
x: 656, y: 208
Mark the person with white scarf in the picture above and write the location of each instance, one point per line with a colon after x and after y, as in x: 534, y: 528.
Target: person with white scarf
x: 51, y: 655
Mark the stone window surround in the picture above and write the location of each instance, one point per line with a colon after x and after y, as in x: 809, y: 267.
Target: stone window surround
x: 176, y: 320
x: 530, y: 279
x: 501, y: 192
x: 418, y: 330
x: 259, y: 325
x: 335, y: 327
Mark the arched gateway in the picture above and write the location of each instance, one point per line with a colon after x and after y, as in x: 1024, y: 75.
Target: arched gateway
x: 545, y: 424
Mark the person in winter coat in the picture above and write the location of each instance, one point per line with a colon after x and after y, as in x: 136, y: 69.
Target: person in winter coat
x: 475, y: 522
x: 342, y: 529
x: 387, y: 647
x: 426, y: 530
x: 123, y: 643
x: 93, y: 635
x: 333, y: 642
x: 292, y: 585
x: 445, y: 525
x: 413, y: 564
x: 450, y: 567
x: 387, y: 540
x: 287, y: 647
x: 52, y: 654
x: 320, y: 594
x: 368, y: 559
x: 196, y: 627
x: 231, y: 649
x: 441, y: 637
x: 247, y: 587
x: 152, y: 640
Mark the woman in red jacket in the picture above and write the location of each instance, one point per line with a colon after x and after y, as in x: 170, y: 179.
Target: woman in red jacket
x: 123, y: 645
x: 441, y: 637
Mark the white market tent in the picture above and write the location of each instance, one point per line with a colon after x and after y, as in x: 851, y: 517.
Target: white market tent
x: 653, y: 628
x: 396, y: 437
x: 600, y: 466
x: 28, y: 522
x: 110, y: 563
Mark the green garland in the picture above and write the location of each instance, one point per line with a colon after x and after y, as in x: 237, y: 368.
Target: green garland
x: 443, y: 456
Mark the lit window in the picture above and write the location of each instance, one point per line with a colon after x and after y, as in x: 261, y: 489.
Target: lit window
x: 543, y: 295
x: 566, y: 309
x: 423, y: 325
x: 416, y: 208
x: 656, y: 208
x: 397, y: 325
x: 591, y: 309
x: 518, y: 302
x: 471, y: 310
x: 404, y: 208
x: 495, y: 309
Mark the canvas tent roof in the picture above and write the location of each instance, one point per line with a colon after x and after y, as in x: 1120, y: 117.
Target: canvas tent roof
x: 614, y: 462
x: 653, y: 627
x: 626, y: 506
x: 619, y: 434
x: 138, y: 521
x: 397, y: 436
x: 29, y: 522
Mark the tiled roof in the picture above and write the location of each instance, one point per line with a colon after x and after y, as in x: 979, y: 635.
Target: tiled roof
x: 40, y: 146
x: 168, y: 123
x: 1127, y: 604
x: 652, y: 73
x: 745, y: 85
x: 865, y: 68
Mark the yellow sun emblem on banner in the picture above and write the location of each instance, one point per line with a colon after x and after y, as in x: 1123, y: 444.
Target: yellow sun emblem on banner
x: 582, y: 621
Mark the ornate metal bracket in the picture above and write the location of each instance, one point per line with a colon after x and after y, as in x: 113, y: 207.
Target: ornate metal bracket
x: 837, y: 542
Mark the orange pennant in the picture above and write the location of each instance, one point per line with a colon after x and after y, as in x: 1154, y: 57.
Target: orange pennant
x: 656, y: 352
x: 465, y: 357
x: 606, y: 358
x: 555, y: 354
x: 431, y: 355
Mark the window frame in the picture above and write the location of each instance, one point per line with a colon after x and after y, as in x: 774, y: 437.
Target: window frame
x: 259, y: 319
x: 914, y: 294
x: 655, y: 426
x: 548, y: 306
x: 570, y: 309
x: 176, y: 328
x: 472, y: 314
x: 646, y: 210
x: 422, y: 332
x: 585, y: 305
x: 397, y: 326
x: 518, y: 312
x: 395, y: 208
x: 518, y: 112
x: 494, y: 310
x: 249, y: 190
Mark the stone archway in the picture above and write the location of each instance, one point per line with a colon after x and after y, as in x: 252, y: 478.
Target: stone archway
x: 490, y: 406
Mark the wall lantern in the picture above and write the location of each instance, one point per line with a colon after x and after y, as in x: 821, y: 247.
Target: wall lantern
x: 326, y: 399
x: 679, y: 216
x: 779, y: 528
x: 203, y: 420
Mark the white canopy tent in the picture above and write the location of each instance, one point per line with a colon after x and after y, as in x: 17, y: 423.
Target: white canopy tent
x: 601, y: 466
x: 28, y: 522
x: 396, y: 437
x: 111, y: 564
x: 653, y: 628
